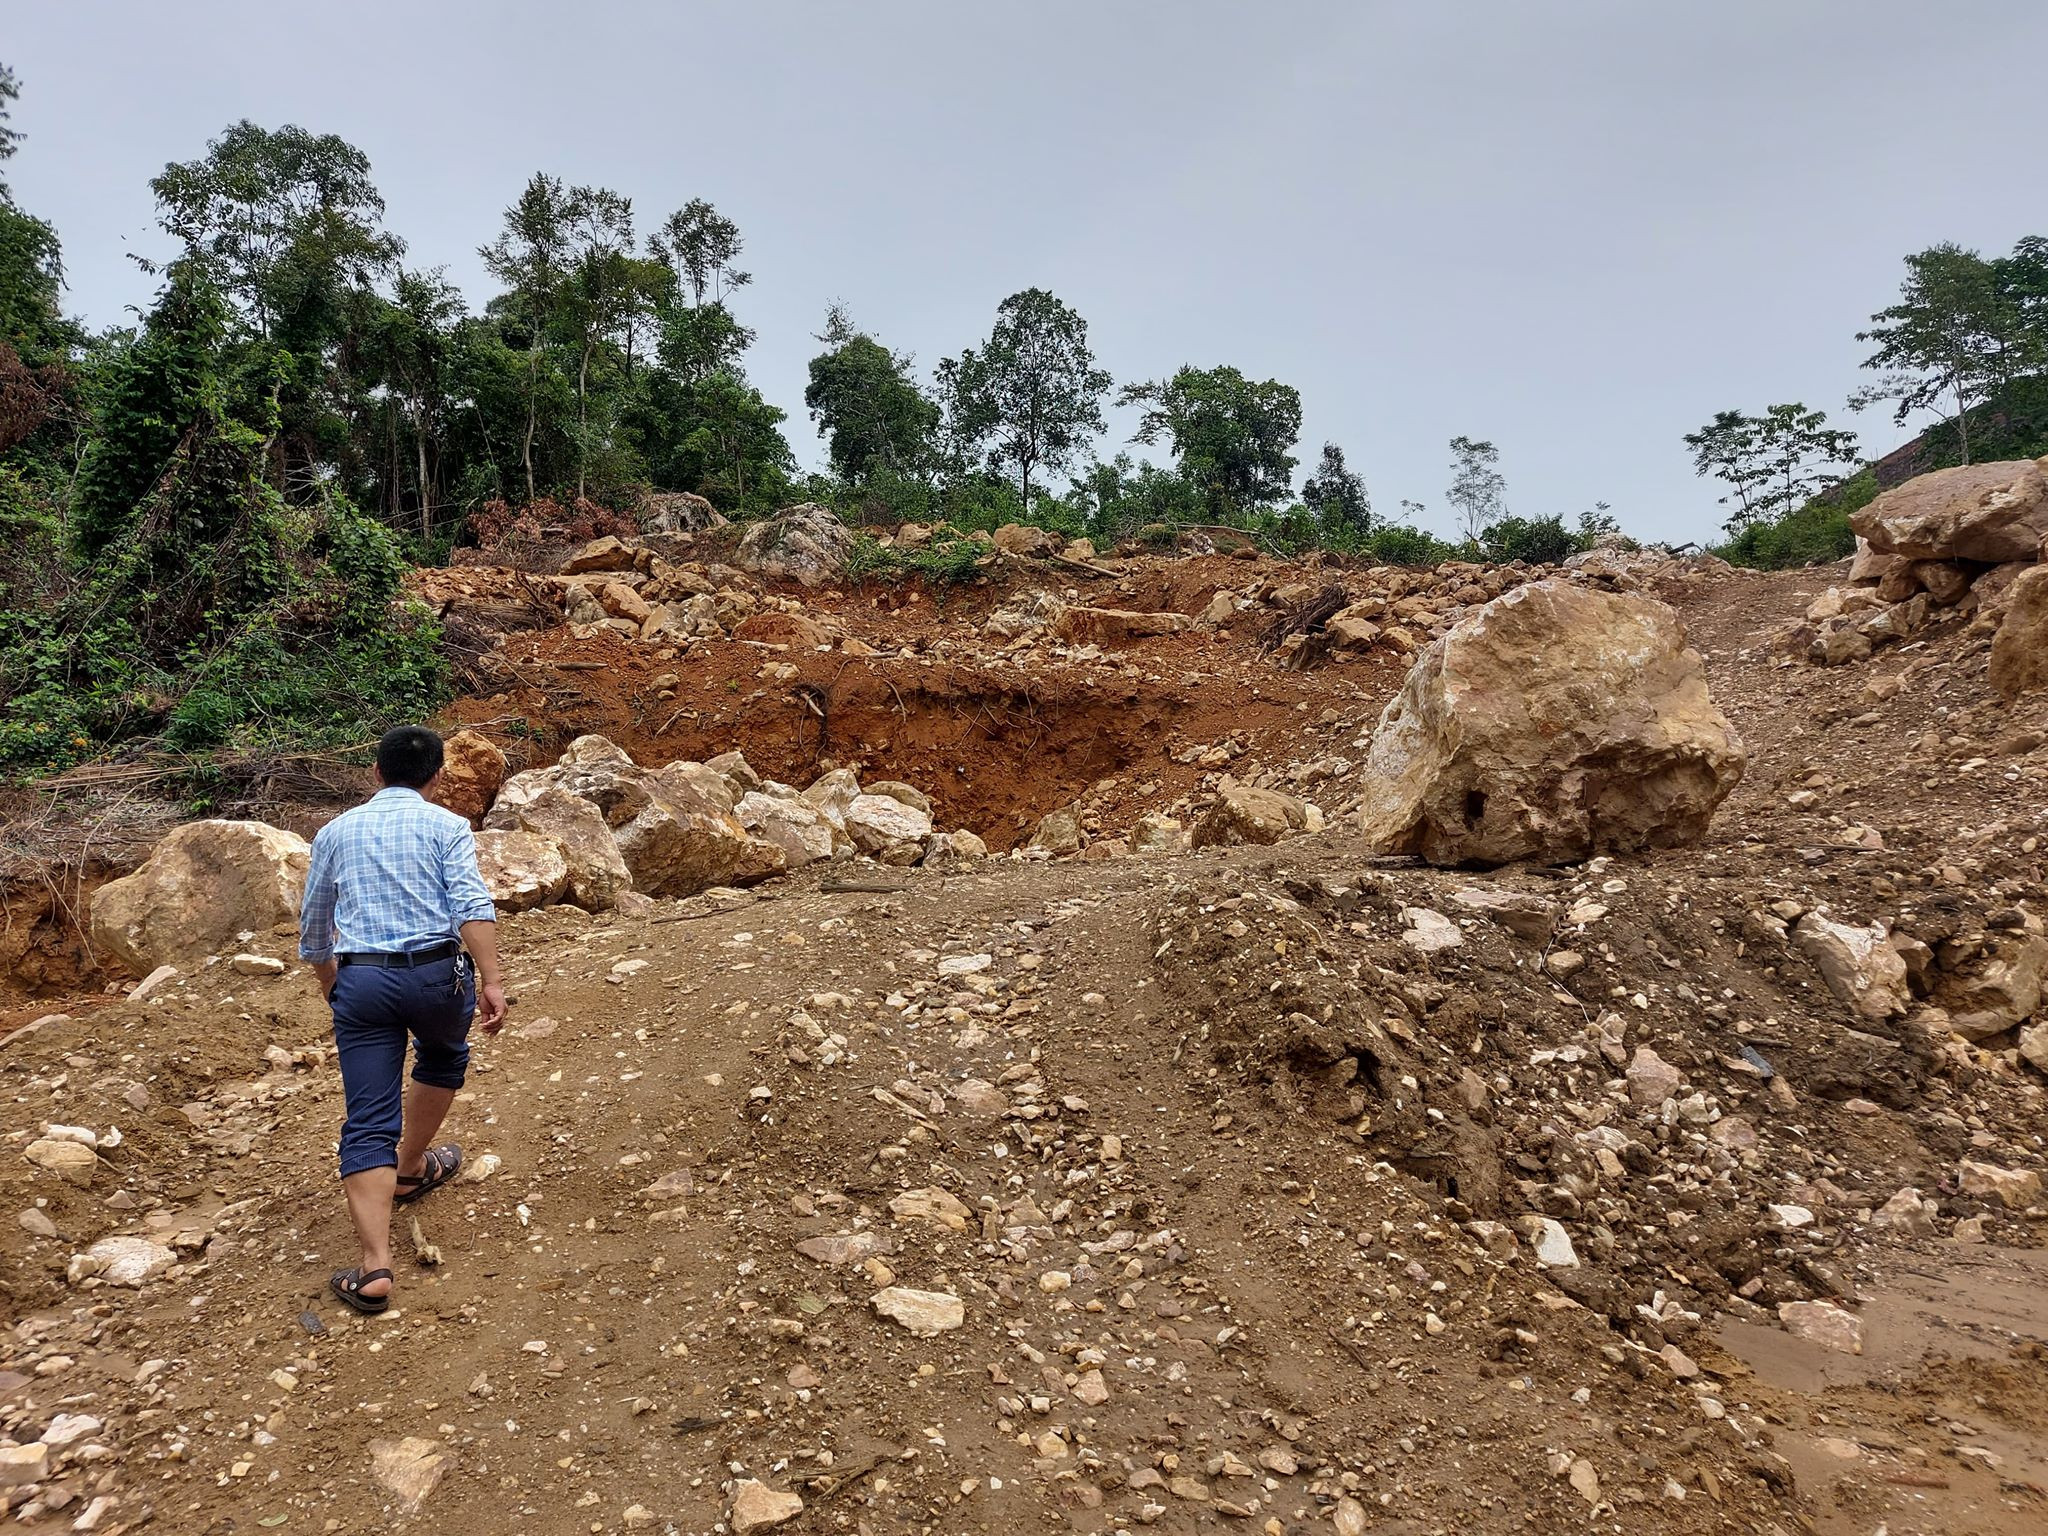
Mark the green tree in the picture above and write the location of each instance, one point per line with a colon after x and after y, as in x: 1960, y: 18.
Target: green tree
x: 531, y: 258
x: 1729, y: 448
x: 1230, y: 434
x: 1956, y: 335
x: 699, y: 335
x: 738, y: 440
x: 407, y: 342
x: 1773, y: 463
x: 284, y: 219
x: 866, y: 401
x: 1802, y: 455
x: 1336, y: 494
x: 1478, y: 491
x: 155, y: 391
x: 601, y: 286
x: 1031, y: 395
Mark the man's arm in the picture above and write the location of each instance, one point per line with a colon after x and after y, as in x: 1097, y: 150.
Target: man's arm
x: 316, y: 914
x: 481, y: 940
x: 477, y: 916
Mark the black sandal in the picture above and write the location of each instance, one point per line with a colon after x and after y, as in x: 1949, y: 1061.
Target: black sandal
x: 443, y: 1163
x: 348, y: 1285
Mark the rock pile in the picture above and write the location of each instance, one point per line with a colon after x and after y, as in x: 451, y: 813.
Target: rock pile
x: 1964, y: 541
x: 622, y: 830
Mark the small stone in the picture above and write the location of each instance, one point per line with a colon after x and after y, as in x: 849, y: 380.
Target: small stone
x: 1823, y: 1323
x: 1552, y: 1243
x: 1193, y: 1489
x: 1585, y: 1480
x: 638, y: 1515
x: 1679, y: 1362
x: 756, y: 1506
x: 36, y: 1223
x: 923, y: 1312
x: 934, y: 1205
x: 410, y: 1468
x: 1652, y: 1079
x: 1091, y: 1389
x: 1349, y: 1518
x: 21, y: 1465
x: 1790, y: 1218
x: 1053, y: 1281
x: 257, y: 965
x: 1563, y: 964
x: 1908, y: 1211
x: 67, y: 1427
x: 128, y: 1260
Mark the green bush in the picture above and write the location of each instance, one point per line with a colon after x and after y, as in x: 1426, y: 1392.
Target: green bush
x: 948, y: 560
x: 1538, y: 540
x: 1399, y: 544
x: 1815, y: 534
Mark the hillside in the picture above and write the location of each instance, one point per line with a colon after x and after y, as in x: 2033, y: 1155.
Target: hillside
x: 1256, y: 1210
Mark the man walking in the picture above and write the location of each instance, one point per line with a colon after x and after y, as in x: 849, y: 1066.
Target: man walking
x: 393, y: 900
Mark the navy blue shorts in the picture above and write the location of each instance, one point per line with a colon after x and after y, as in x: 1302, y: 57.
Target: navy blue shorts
x: 375, y: 1011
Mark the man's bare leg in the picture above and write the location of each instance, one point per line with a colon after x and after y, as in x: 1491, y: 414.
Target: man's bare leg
x: 425, y: 1108
x: 369, y: 1207
x: 370, y: 1192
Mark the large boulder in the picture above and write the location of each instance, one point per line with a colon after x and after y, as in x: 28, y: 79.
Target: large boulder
x: 1985, y: 512
x: 597, y: 873
x: 1243, y: 814
x: 679, y: 512
x: 205, y: 883
x: 2019, y: 649
x: 521, y: 870
x: 807, y: 544
x: 679, y: 843
x: 471, y: 776
x: 1551, y: 723
x: 600, y: 554
x: 1024, y: 539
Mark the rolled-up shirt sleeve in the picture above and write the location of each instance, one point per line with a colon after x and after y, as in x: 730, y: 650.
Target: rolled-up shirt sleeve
x: 316, y: 912
x: 469, y: 899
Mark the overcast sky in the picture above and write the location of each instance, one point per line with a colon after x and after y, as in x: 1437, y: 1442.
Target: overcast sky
x: 1576, y: 227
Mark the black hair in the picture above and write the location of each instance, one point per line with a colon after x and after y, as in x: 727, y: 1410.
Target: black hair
x: 409, y: 755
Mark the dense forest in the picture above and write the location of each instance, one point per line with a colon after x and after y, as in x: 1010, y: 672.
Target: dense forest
x: 205, y: 517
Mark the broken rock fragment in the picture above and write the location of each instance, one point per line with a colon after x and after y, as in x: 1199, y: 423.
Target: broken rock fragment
x: 923, y: 1312
x: 757, y: 1507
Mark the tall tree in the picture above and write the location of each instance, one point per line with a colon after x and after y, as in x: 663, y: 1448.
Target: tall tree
x: 1954, y: 336
x: 601, y: 285
x: 406, y: 347
x: 1478, y: 490
x: 284, y: 219
x: 1336, y: 494
x: 531, y: 258
x: 1031, y: 395
x: 1728, y: 448
x: 867, y: 402
x: 699, y: 334
x: 1230, y: 434
x: 701, y: 244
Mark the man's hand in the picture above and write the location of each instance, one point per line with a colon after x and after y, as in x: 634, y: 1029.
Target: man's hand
x: 490, y: 1007
x: 326, y: 970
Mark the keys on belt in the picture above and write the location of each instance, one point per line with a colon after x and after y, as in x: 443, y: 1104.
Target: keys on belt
x: 403, y: 960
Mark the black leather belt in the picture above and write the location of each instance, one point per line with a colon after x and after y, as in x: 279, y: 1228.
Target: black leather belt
x: 404, y: 960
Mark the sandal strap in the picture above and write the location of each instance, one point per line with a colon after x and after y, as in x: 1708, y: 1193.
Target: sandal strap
x: 365, y: 1276
x: 435, y: 1161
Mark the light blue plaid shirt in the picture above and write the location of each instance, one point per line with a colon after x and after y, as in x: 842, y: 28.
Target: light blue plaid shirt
x: 392, y: 874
